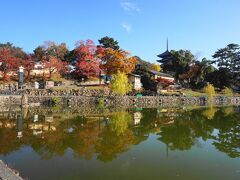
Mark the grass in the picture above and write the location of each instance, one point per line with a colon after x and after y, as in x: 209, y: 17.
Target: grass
x: 186, y: 92
x: 192, y: 93
x: 78, y: 87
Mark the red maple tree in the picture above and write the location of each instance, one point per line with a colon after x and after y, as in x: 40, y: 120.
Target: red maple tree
x: 88, y: 59
x: 8, y: 63
x: 28, y: 65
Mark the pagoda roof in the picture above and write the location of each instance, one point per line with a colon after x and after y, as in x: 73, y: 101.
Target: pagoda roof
x: 166, y: 54
x: 166, y: 57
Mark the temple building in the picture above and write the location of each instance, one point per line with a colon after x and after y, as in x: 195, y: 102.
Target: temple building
x: 167, y: 59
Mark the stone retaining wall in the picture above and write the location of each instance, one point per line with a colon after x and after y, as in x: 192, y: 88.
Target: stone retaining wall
x: 69, y: 92
x: 10, y: 100
x: 125, y: 101
x: 105, y: 97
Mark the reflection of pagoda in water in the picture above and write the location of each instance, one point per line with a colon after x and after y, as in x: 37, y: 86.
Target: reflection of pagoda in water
x: 167, y: 116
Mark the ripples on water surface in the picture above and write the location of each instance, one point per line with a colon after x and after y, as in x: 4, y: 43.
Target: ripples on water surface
x: 172, y: 143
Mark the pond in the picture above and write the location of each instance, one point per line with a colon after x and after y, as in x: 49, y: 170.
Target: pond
x: 155, y: 143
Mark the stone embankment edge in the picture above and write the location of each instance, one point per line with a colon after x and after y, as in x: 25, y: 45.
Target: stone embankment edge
x: 125, y: 101
x: 8, y: 173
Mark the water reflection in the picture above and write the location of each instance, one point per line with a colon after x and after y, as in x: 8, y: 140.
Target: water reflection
x: 108, y: 134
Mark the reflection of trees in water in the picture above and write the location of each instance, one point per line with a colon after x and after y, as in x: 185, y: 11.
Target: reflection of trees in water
x: 8, y: 137
x: 229, y: 142
x: 183, y: 134
x: 228, y: 111
x: 106, y: 138
x: 119, y: 122
x: 177, y: 136
x: 228, y: 138
x: 116, y: 137
x: 110, y: 144
x: 209, y: 113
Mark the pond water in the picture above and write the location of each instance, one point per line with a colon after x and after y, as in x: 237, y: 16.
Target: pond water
x: 155, y: 143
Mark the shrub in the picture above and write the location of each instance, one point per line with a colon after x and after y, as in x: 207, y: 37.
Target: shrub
x: 101, y: 102
x: 56, y: 100
x: 227, y: 91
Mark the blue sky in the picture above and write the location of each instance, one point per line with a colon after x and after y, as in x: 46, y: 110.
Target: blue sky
x: 140, y: 26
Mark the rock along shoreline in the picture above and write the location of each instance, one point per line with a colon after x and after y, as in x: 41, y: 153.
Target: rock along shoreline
x: 8, y: 173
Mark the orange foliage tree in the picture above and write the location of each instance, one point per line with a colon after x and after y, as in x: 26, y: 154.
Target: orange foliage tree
x: 117, y: 60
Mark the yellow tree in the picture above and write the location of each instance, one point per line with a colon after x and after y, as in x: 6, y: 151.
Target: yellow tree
x: 120, y: 83
x: 118, y: 60
x: 156, y: 67
x: 209, y: 90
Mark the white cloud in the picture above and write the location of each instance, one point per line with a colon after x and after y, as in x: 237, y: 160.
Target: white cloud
x: 129, y: 6
x: 127, y: 27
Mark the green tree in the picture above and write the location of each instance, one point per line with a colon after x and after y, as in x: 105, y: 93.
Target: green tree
x: 143, y: 69
x: 205, y: 68
x: 228, y: 57
x: 108, y: 42
x: 221, y: 78
x: 228, y: 61
x: 178, y: 63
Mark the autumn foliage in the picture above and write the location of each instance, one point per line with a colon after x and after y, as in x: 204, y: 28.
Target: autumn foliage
x: 8, y: 63
x: 120, y: 84
x: 165, y: 82
x: 54, y: 64
x: 209, y: 90
x: 88, y: 59
x: 85, y: 60
x: 118, y: 60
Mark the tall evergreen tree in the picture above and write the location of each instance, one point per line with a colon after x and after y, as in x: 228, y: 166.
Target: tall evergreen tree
x: 108, y: 42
